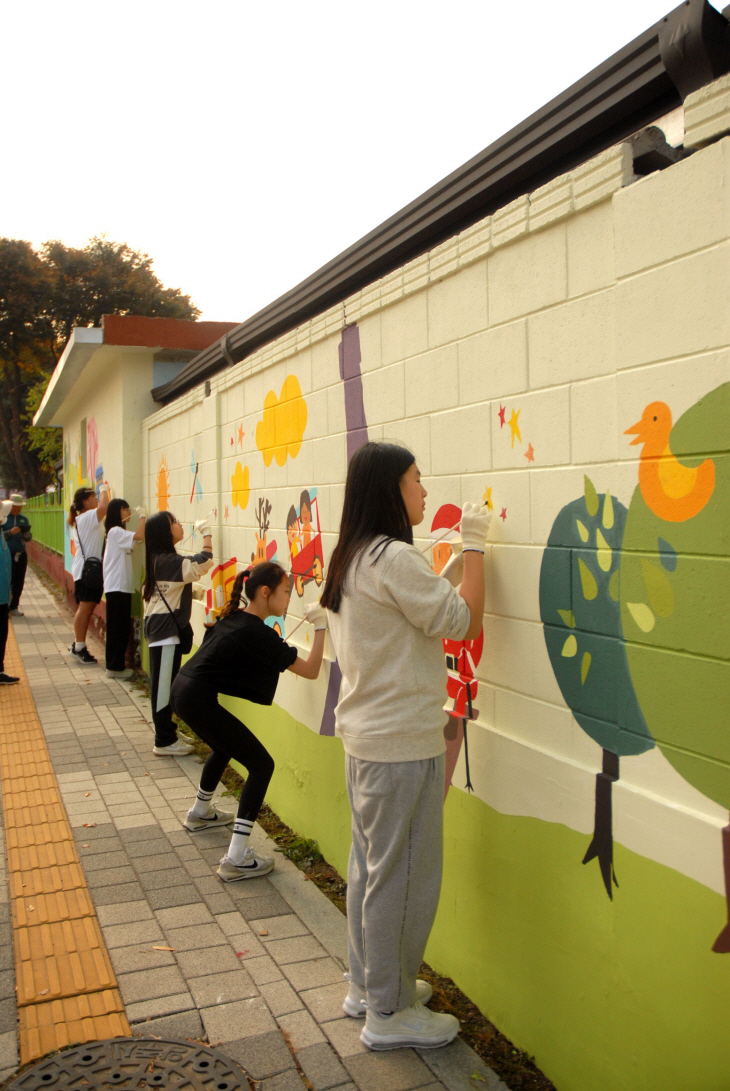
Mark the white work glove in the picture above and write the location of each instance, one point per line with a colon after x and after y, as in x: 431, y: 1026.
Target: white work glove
x: 105, y: 487
x: 203, y: 527
x: 453, y: 570
x: 316, y: 615
x: 141, y: 511
x: 475, y: 520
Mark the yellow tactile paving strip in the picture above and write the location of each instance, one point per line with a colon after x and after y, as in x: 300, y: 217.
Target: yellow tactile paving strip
x: 66, y: 988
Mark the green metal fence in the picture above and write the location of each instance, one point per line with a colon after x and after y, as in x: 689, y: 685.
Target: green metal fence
x: 46, y: 514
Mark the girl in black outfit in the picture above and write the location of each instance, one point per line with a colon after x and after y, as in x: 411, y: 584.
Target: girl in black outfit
x: 242, y: 657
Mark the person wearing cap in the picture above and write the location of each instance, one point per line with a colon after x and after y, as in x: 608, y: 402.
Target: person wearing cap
x: 5, y: 569
x: 16, y: 532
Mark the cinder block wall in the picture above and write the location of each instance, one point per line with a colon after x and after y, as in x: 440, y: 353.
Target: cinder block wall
x: 567, y: 313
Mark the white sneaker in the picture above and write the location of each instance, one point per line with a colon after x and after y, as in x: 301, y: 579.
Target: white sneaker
x: 194, y: 822
x: 355, y: 1005
x: 415, y: 1026
x: 253, y: 865
x: 176, y: 749
x: 16, y: 613
x: 122, y: 675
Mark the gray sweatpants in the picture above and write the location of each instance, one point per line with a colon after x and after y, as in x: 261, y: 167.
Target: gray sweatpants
x: 394, y: 874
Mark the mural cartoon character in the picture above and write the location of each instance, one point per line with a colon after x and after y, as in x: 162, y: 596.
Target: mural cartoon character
x: 306, y: 563
x: 292, y: 531
x: 648, y: 590
x: 263, y: 552
x: 673, y: 491
x: 675, y: 600
x: 221, y: 578
x: 462, y: 658
x: 305, y: 517
x: 579, y: 609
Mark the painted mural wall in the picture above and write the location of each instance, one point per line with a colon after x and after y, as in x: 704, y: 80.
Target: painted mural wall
x: 101, y: 440
x: 567, y: 360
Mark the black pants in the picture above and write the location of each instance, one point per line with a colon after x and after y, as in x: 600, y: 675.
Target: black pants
x: 164, y: 665
x: 3, y: 634
x: 17, y: 578
x: 228, y: 738
x: 118, y: 620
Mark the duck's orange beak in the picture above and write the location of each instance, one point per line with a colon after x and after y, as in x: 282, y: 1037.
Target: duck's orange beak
x: 635, y: 430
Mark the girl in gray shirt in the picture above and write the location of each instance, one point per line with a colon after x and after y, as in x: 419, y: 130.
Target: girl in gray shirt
x: 388, y: 612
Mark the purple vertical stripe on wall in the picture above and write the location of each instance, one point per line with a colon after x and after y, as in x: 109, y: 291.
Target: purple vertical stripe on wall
x: 327, y: 727
x: 357, y: 435
x: 350, y: 357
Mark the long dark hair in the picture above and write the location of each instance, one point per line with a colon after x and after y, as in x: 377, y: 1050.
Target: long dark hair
x: 114, y: 514
x: 77, y: 507
x: 157, y: 539
x: 246, y: 584
x: 373, y: 508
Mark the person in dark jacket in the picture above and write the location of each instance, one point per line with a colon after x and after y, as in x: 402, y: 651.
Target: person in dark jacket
x: 5, y: 568
x: 16, y: 531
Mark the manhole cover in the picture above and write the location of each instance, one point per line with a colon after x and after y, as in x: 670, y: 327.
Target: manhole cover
x: 139, y: 1063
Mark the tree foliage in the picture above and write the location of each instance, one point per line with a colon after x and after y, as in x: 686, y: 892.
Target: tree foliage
x: 43, y: 295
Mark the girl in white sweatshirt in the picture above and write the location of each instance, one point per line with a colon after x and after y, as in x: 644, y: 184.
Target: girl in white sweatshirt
x: 388, y: 612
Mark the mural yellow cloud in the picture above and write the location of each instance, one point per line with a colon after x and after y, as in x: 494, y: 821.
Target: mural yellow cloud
x: 239, y: 486
x: 281, y: 430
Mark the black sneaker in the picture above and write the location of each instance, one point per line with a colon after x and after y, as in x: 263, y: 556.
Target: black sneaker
x: 84, y: 655
x: 7, y: 679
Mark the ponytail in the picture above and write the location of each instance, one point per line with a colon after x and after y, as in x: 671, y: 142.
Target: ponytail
x: 234, y: 601
x: 266, y: 574
x: 77, y: 507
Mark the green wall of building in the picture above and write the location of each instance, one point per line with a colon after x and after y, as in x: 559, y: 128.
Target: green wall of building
x: 622, y: 995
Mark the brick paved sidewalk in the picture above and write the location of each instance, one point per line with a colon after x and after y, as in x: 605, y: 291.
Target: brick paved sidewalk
x: 256, y: 967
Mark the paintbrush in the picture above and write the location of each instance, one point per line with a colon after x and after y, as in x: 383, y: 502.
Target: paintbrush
x: 440, y: 537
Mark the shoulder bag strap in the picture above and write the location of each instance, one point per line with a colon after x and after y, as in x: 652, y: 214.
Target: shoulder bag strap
x: 167, y: 604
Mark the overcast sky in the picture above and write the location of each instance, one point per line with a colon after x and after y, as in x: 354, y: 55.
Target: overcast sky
x: 243, y: 145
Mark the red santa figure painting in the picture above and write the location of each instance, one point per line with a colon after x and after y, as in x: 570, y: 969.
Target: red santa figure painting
x: 462, y: 656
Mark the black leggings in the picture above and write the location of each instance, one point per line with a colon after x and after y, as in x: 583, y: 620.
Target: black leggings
x: 228, y: 738
x: 118, y: 622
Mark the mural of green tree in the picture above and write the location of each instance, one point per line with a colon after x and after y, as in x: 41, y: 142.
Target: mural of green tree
x: 579, y: 608
x: 675, y: 596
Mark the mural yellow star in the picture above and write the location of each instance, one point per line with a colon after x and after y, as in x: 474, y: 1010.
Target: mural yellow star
x: 487, y: 498
x: 514, y: 426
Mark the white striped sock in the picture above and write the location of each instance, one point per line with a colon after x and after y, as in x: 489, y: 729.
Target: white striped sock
x: 239, y: 840
x: 201, y: 807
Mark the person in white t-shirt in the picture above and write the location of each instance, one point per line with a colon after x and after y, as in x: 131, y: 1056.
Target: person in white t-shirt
x: 86, y: 517
x: 118, y: 582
